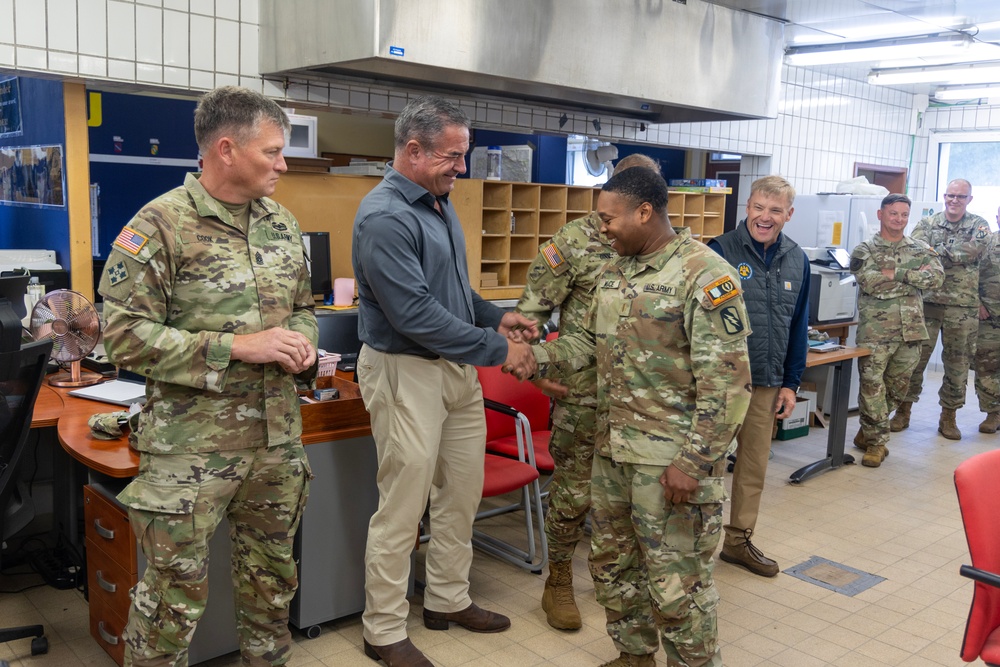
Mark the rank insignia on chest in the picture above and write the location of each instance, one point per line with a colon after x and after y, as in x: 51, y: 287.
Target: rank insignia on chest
x: 552, y: 256
x: 117, y: 273
x: 982, y: 232
x: 721, y: 290
x: 259, y: 258
x: 130, y: 241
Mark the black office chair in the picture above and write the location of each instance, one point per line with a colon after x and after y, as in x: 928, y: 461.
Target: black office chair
x: 21, y: 374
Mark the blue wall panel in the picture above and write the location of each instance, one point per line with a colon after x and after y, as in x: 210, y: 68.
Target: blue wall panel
x: 42, y: 123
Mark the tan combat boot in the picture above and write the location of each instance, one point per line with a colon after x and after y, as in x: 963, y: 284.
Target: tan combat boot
x: 991, y: 423
x: 860, y: 441
x: 947, y: 426
x: 901, y: 420
x: 874, y: 456
x: 630, y: 660
x: 557, y: 599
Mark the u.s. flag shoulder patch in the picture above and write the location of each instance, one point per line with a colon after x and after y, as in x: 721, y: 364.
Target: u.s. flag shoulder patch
x: 130, y: 241
x: 721, y: 290
x: 554, y: 258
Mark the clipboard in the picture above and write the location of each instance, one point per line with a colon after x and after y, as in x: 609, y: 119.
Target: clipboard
x: 117, y: 392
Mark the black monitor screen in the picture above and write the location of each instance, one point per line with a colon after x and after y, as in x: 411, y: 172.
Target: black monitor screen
x: 318, y: 249
x: 13, y: 288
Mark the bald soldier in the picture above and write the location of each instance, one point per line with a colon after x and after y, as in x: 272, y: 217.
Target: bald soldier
x: 564, y: 276
x: 667, y: 329
x: 959, y: 238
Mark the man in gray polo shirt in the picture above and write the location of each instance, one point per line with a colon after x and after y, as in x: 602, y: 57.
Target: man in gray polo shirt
x: 424, y: 330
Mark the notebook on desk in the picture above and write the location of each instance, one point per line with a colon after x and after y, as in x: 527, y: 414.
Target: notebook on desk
x: 118, y: 392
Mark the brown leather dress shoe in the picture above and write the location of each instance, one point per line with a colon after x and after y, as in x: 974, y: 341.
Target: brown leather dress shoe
x: 471, y: 618
x: 399, y: 654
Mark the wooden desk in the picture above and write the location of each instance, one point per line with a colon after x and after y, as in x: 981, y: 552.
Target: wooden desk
x: 48, y: 407
x: 837, y: 434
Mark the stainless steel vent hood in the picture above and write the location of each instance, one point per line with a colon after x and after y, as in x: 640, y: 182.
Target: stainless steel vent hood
x: 654, y: 60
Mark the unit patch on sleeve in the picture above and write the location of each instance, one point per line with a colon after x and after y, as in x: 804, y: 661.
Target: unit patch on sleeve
x: 553, y: 257
x: 721, y: 290
x: 731, y: 320
x: 117, y: 273
x: 130, y: 241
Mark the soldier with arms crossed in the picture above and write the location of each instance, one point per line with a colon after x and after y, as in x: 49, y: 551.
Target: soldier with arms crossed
x: 891, y: 269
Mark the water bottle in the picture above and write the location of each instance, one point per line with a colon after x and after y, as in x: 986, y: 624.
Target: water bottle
x: 493, y: 158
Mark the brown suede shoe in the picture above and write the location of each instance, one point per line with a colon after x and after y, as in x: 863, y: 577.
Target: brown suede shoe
x: 471, y: 618
x: 747, y: 555
x: 400, y: 654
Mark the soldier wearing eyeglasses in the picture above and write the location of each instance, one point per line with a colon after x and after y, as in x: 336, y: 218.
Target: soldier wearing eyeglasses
x: 960, y: 238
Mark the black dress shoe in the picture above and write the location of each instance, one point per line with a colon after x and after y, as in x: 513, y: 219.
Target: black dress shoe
x: 471, y: 618
x: 399, y: 654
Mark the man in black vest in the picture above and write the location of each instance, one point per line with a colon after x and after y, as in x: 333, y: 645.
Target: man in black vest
x: 775, y: 281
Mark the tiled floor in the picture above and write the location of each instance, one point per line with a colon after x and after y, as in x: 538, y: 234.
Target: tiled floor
x: 899, y: 521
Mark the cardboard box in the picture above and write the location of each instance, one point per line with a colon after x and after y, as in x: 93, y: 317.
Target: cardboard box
x: 796, y: 425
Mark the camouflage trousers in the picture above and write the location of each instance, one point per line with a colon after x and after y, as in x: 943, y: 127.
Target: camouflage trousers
x: 174, y: 506
x: 651, y: 561
x: 885, y: 378
x: 958, y: 326
x: 988, y: 365
x: 572, y: 449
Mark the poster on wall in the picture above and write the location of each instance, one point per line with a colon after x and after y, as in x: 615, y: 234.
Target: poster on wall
x: 32, y: 175
x: 10, y: 107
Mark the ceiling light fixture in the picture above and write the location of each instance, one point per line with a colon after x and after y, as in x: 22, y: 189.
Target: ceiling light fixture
x: 925, y: 46
x: 956, y: 93
x: 985, y: 72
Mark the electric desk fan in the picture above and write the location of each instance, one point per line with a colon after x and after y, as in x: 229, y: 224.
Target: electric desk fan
x: 71, y: 322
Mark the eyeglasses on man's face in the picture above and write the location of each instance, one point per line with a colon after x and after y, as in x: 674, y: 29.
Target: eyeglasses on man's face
x: 958, y: 197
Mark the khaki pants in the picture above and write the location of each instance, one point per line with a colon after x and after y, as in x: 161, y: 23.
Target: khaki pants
x: 430, y: 433
x: 752, y: 451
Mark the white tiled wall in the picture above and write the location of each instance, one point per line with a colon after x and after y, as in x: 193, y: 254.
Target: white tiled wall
x: 825, y: 123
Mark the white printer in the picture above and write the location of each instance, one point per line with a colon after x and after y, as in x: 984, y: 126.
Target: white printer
x: 833, y: 291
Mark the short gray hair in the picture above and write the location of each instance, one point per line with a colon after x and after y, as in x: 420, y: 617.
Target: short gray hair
x: 236, y: 112
x: 425, y: 119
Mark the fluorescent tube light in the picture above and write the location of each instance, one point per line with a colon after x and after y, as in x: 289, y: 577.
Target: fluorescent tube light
x: 947, y: 44
x: 949, y: 94
x: 986, y: 72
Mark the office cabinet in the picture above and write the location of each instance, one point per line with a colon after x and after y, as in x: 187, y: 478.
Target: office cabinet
x: 703, y: 213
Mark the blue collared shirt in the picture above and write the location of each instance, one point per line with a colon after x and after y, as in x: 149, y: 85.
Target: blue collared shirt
x: 413, y: 281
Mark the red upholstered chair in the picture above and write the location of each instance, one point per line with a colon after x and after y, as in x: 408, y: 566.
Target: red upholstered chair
x: 513, y: 456
x: 501, y: 430
x: 975, y: 482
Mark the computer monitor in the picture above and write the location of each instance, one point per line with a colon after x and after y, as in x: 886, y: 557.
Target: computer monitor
x: 12, y: 310
x: 318, y: 250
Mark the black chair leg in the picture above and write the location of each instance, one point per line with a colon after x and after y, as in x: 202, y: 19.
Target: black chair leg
x: 39, y: 643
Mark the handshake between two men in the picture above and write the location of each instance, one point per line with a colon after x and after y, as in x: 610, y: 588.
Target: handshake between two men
x: 520, y: 331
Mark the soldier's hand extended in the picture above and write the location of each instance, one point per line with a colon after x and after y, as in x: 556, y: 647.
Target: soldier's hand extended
x: 785, y: 402
x: 677, y: 484
x: 520, y: 361
x: 889, y: 273
x: 551, y: 388
x: 289, y: 349
x: 518, y: 327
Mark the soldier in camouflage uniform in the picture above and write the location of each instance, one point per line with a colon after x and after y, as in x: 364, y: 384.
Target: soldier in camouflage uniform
x: 959, y: 238
x: 667, y: 330
x: 564, y: 276
x: 207, y: 294
x: 988, y: 345
x: 891, y: 269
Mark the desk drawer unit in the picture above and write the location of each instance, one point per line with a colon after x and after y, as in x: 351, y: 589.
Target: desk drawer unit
x: 111, y: 569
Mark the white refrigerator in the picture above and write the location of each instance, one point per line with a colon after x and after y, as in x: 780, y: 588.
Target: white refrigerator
x: 843, y: 221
